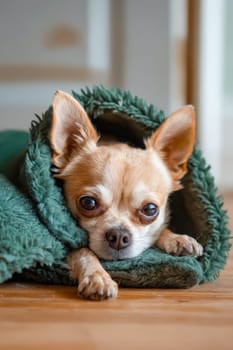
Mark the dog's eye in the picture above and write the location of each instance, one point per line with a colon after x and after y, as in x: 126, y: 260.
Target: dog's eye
x: 90, y: 206
x: 88, y: 203
x: 150, y: 209
x: 148, y: 213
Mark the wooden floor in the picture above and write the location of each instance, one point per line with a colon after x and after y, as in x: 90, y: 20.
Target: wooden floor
x: 45, y: 317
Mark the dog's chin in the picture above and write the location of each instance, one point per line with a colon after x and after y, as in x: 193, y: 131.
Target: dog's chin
x: 110, y: 254
x: 114, y: 255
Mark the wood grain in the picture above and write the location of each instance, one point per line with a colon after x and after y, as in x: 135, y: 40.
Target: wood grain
x: 47, y: 317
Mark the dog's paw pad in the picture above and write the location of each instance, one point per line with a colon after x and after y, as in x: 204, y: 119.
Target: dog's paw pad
x: 98, y: 286
x: 183, y: 245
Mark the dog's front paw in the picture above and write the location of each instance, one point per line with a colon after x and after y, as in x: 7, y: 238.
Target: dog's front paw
x: 97, y: 286
x: 183, y: 245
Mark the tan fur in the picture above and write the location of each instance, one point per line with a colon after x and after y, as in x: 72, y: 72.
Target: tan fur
x: 122, y: 180
x: 94, y: 282
x: 178, y: 244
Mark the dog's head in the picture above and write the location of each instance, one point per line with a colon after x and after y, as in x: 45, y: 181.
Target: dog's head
x: 119, y: 193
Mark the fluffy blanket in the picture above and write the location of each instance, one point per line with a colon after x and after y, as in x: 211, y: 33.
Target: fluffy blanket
x: 37, y: 231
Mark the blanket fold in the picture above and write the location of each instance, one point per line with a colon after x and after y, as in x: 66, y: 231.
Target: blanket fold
x: 37, y: 231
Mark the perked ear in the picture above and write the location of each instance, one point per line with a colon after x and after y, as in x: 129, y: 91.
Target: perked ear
x: 71, y: 129
x: 174, y: 141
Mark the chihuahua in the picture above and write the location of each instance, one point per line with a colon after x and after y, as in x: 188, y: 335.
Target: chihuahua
x: 119, y: 193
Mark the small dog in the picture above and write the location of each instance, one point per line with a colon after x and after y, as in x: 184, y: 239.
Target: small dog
x: 118, y: 193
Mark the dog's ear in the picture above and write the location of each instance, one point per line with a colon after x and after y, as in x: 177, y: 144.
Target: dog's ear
x: 71, y: 129
x: 174, y: 140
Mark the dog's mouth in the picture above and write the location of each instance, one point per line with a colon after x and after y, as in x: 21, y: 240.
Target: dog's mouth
x: 113, y: 256
x: 104, y: 252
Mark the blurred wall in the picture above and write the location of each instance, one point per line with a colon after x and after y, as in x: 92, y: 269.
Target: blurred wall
x: 51, y: 44
x: 48, y: 45
x: 145, y: 49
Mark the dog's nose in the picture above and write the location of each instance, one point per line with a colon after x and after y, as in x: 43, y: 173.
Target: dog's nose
x: 118, y: 238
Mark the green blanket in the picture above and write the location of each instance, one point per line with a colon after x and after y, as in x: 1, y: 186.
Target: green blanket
x: 37, y: 231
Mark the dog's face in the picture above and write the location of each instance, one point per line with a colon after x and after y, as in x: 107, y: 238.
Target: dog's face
x: 118, y: 193
x: 111, y: 192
